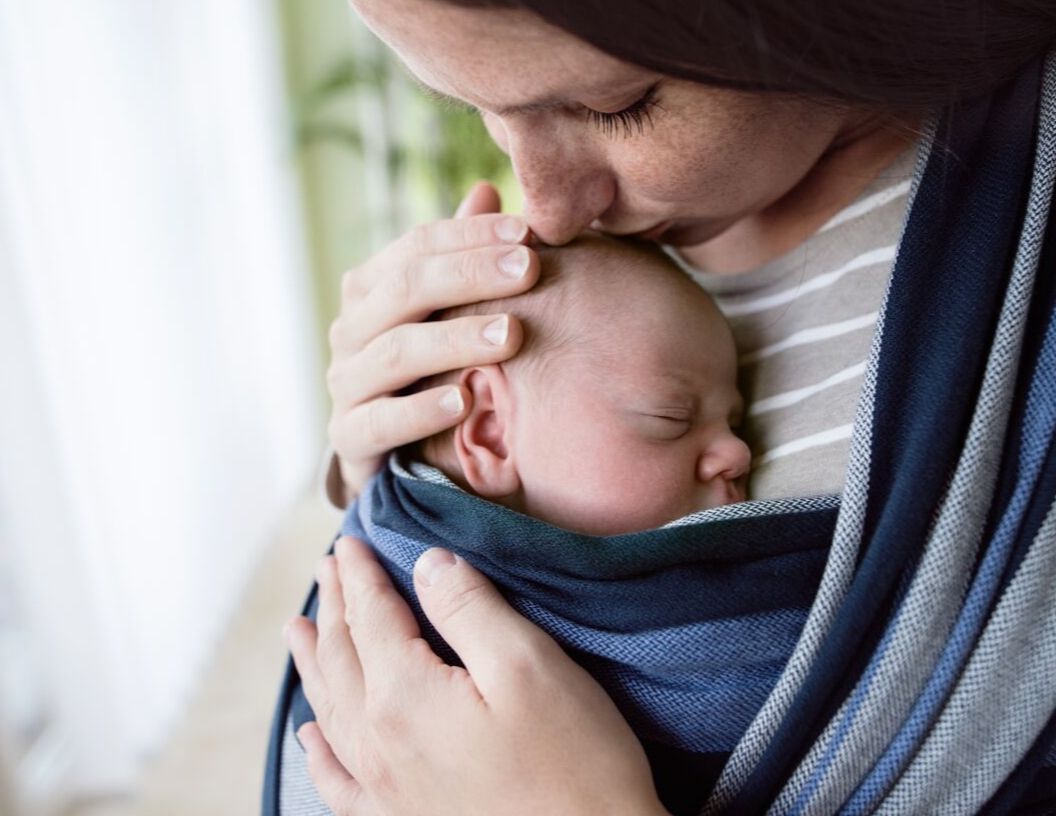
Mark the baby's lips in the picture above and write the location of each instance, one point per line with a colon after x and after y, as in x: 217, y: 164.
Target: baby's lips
x: 734, y: 493
x: 721, y: 494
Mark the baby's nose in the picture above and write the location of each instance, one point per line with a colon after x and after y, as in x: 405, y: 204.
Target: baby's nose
x: 728, y: 458
x: 741, y: 458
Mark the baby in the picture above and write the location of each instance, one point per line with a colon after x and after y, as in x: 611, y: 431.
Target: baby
x: 617, y: 415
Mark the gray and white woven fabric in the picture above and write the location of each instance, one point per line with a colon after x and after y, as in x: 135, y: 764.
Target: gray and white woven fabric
x: 952, y: 693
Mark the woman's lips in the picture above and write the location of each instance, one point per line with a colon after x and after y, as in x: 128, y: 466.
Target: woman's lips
x: 648, y: 234
x: 653, y: 233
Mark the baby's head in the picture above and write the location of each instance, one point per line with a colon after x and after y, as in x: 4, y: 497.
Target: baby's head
x: 616, y: 414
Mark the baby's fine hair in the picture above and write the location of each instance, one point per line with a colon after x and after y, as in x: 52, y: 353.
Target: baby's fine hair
x: 567, y: 274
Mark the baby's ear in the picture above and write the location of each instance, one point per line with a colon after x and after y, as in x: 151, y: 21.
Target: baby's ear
x: 482, y: 439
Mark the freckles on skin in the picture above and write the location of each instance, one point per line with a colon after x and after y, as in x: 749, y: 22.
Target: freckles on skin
x: 724, y: 143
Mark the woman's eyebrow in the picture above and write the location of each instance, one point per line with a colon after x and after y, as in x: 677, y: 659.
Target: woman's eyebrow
x: 537, y: 106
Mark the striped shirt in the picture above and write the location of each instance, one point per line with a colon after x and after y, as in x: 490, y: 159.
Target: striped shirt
x: 803, y: 325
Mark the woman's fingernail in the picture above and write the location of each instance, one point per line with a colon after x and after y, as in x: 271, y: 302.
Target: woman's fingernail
x: 497, y: 331
x: 451, y: 401
x: 511, y: 229
x: 514, y: 264
x: 432, y: 564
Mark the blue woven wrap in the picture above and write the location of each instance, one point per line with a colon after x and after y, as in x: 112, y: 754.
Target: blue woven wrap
x: 687, y: 627
x: 891, y: 650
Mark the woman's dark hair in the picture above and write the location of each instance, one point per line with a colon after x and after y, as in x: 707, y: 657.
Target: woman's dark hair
x: 891, y: 55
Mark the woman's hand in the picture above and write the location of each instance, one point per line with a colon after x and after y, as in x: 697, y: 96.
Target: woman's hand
x: 521, y: 730
x: 378, y: 344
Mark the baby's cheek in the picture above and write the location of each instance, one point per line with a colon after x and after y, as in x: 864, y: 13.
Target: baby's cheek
x: 638, y: 492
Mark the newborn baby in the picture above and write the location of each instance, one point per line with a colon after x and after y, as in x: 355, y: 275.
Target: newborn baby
x: 614, y: 419
x: 617, y: 415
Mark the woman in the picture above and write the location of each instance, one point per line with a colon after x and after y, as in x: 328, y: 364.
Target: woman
x: 738, y: 134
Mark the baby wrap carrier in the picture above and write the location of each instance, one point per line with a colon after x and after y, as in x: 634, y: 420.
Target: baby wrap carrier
x: 890, y: 651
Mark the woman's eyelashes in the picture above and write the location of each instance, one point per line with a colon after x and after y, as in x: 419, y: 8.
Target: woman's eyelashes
x: 630, y: 121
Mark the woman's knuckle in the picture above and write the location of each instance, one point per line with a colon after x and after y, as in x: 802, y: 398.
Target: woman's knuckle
x: 448, y: 340
x: 333, y: 378
x: 336, y: 333
x: 453, y: 603
x: 400, y: 283
x: 390, y: 350
x: 522, y: 662
x: 371, y: 770
x: 371, y: 601
x: 331, y: 641
x: 350, y: 286
x: 465, y: 271
x: 384, y: 710
x: 374, y: 426
x: 325, y: 714
x: 419, y: 239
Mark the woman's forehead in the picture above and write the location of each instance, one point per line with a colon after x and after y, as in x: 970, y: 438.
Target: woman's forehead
x: 500, y: 60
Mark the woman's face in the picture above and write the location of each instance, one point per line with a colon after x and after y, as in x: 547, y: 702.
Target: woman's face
x: 597, y: 142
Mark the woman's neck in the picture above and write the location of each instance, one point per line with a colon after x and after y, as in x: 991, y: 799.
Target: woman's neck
x: 850, y: 164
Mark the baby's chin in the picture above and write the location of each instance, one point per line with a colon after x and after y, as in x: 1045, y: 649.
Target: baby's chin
x: 613, y: 524
x: 609, y: 517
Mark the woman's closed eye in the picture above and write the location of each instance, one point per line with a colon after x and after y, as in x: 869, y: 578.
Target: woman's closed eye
x: 631, y: 120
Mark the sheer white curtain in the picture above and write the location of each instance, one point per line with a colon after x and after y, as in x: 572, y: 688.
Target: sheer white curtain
x: 159, y: 406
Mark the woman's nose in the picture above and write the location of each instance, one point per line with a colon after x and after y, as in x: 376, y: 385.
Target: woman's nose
x: 565, y: 187
x: 728, y: 458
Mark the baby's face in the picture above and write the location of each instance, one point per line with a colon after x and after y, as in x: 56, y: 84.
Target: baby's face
x: 633, y: 428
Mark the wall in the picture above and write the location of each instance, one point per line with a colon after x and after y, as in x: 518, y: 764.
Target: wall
x: 160, y: 381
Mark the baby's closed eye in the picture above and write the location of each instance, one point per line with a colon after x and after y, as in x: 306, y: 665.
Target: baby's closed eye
x: 666, y: 425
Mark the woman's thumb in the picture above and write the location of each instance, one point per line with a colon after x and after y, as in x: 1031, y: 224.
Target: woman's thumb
x: 481, y: 198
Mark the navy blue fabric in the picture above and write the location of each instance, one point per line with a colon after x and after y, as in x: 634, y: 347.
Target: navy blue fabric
x: 1043, y: 306
x: 941, y: 311
x: 1032, y: 784
x: 1032, y: 788
x: 688, y: 673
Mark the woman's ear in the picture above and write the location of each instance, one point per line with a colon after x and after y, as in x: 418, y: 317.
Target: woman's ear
x: 482, y: 440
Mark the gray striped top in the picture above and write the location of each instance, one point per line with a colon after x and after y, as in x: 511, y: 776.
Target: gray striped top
x: 803, y: 324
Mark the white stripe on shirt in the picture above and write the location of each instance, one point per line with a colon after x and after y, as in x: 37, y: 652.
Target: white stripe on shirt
x: 872, y: 257
x: 813, y: 335
x: 799, y: 394
x: 804, y: 443
x: 860, y: 208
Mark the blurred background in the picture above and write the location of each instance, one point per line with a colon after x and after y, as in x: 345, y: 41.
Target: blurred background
x: 181, y: 187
